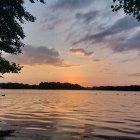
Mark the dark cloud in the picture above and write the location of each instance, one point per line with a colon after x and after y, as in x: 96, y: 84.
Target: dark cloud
x: 39, y: 56
x: 132, y: 43
x: 107, y: 69
x: 81, y: 50
x: 125, y: 61
x: 87, y: 17
x: 48, y: 27
x: 124, y: 24
x: 134, y: 74
x: 71, y: 4
x: 97, y: 60
x: 50, y: 22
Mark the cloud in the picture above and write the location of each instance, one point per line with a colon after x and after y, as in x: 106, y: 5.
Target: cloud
x: 124, y: 24
x: 82, y: 51
x: 97, y: 60
x: 97, y: 28
x: 132, y: 43
x: 39, y: 56
x: 71, y: 4
x: 134, y: 74
x: 50, y: 22
x: 87, y: 17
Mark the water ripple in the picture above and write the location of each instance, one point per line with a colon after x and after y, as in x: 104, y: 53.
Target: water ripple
x: 69, y: 115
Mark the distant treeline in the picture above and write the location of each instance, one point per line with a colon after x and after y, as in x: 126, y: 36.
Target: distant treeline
x: 66, y: 86
x: 42, y: 85
x: 118, y: 88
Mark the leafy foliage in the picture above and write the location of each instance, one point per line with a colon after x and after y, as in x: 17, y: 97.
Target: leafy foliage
x: 7, y: 67
x: 12, y: 15
x: 130, y: 7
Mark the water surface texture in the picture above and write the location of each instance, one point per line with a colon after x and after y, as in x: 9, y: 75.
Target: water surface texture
x: 69, y: 115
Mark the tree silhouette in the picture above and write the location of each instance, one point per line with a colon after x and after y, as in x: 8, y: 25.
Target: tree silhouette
x: 12, y: 15
x: 130, y: 7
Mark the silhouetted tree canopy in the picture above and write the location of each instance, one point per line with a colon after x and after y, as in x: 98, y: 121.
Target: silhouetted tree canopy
x: 12, y: 15
x: 130, y: 7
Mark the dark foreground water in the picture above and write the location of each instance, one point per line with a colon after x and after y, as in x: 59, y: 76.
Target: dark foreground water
x: 69, y: 115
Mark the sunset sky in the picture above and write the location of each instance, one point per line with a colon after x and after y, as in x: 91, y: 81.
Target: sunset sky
x: 79, y: 41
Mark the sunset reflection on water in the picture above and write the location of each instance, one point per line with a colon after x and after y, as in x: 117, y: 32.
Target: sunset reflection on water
x: 69, y: 115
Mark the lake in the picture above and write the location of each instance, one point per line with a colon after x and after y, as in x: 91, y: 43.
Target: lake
x: 69, y: 115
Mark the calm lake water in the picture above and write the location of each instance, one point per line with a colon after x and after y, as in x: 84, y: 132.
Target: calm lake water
x: 69, y: 115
